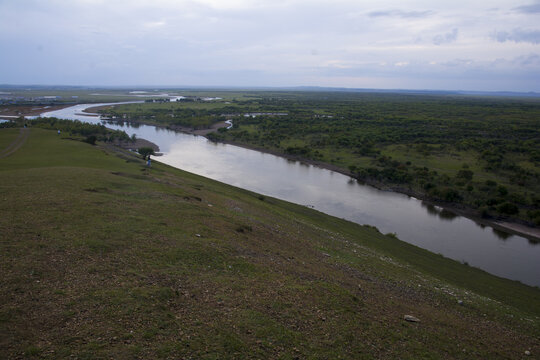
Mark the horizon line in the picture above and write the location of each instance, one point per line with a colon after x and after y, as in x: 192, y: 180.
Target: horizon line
x: 297, y: 87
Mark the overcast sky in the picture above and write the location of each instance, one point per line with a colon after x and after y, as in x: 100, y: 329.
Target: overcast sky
x: 409, y: 44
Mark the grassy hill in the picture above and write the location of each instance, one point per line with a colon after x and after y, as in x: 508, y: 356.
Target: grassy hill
x: 101, y: 257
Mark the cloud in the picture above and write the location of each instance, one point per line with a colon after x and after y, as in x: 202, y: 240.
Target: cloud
x: 154, y: 24
x: 400, y: 13
x: 528, y: 9
x: 446, y: 38
x: 458, y: 63
x: 517, y: 35
x: 527, y: 60
x: 258, y: 42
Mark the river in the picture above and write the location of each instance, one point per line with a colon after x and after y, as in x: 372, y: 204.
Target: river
x: 430, y: 227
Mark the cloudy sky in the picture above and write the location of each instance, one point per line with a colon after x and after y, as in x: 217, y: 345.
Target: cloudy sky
x: 410, y: 44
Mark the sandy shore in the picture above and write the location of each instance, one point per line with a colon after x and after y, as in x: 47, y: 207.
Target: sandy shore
x: 527, y: 231
x: 524, y: 230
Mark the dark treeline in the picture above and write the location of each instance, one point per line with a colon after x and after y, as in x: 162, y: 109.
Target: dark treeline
x: 89, y: 132
x: 171, y: 115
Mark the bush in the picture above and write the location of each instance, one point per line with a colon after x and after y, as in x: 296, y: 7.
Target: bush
x: 493, y: 201
x: 145, y: 151
x: 90, y: 139
x: 508, y: 208
x: 450, y: 195
x: 502, y: 190
x: 484, y: 212
x: 465, y: 174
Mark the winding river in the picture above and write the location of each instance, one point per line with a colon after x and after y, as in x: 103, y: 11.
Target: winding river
x: 430, y: 227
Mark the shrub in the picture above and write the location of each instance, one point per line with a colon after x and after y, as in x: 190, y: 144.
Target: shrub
x: 508, y: 208
x: 493, y: 201
x: 484, y: 212
x: 502, y: 190
x: 90, y: 139
x: 145, y: 151
x: 465, y: 174
x: 450, y: 195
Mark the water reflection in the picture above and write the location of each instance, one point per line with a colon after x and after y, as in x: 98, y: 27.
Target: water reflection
x: 441, y: 213
x: 501, y: 234
x: 447, y: 215
x: 430, y: 208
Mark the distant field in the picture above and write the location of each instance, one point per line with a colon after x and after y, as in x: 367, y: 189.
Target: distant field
x: 102, y: 257
x: 96, y: 95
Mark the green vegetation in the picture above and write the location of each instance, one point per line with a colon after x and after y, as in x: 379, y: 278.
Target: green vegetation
x: 89, y: 133
x: 102, y: 257
x: 478, y: 154
x: 145, y: 151
x: 195, y: 115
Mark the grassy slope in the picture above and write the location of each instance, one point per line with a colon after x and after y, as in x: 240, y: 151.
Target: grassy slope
x: 100, y: 258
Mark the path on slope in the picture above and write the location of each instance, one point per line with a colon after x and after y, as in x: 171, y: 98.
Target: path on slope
x: 15, y: 144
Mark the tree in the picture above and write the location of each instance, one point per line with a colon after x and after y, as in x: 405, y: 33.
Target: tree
x: 91, y: 139
x: 508, y: 208
x: 465, y: 174
x: 145, y: 151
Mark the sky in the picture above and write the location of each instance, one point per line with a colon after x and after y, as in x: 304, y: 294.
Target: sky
x: 491, y: 45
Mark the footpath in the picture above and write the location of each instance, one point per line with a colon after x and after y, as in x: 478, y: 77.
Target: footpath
x: 15, y: 144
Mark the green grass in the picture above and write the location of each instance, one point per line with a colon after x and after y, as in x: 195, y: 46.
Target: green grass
x: 7, y: 136
x: 103, y: 258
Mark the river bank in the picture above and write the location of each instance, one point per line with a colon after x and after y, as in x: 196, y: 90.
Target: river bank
x: 416, y: 222
x: 15, y: 111
x: 95, y: 111
x: 512, y: 226
x: 509, y: 225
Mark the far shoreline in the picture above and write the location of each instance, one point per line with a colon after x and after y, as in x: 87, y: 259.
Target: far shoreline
x: 507, y: 225
x: 512, y: 227
x: 16, y: 111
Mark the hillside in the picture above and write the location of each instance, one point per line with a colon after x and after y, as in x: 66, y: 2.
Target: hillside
x: 102, y: 257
